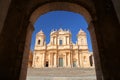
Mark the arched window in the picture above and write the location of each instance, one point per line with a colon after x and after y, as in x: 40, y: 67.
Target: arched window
x: 38, y: 41
x: 67, y: 39
x: 60, y: 42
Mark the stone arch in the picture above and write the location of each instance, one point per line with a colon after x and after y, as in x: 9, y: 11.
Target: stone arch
x: 65, y: 6
x: 12, y: 47
x: 22, y: 9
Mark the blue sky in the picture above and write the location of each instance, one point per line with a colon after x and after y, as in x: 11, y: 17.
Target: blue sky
x: 60, y: 19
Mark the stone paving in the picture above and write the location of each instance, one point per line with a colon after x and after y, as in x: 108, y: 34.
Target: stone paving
x: 61, y: 74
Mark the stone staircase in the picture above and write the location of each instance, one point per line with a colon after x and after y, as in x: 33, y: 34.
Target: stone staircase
x: 61, y: 72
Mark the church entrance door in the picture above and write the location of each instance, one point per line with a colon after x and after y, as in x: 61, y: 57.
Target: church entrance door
x: 74, y: 63
x: 46, y: 65
x: 60, y: 62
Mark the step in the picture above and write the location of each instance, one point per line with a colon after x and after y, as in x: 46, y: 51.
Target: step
x: 61, y: 72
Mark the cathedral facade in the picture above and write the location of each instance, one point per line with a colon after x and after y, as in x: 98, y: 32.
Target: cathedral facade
x: 61, y: 51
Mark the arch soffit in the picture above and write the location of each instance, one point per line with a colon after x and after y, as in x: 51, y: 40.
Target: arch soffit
x: 65, y: 6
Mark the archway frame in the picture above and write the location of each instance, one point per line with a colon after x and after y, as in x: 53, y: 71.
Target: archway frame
x: 54, y: 6
x: 66, y: 6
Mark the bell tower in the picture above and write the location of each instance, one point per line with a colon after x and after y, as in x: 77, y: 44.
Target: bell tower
x: 81, y: 38
x: 40, y: 39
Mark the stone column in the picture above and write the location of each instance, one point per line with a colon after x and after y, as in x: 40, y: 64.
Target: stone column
x: 71, y: 52
x: 40, y: 60
x: 52, y: 40
x: 78, y: 59
x: 43, y: 56
x: 55, y: 40
x: 69, y: 59
x: 49, y: 60
x: 55, y: 60
x: 82, y: 60
x: 52, y: 59
x: 64, y: 61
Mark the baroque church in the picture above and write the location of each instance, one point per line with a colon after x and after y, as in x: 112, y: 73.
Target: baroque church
x: 61, y: 51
